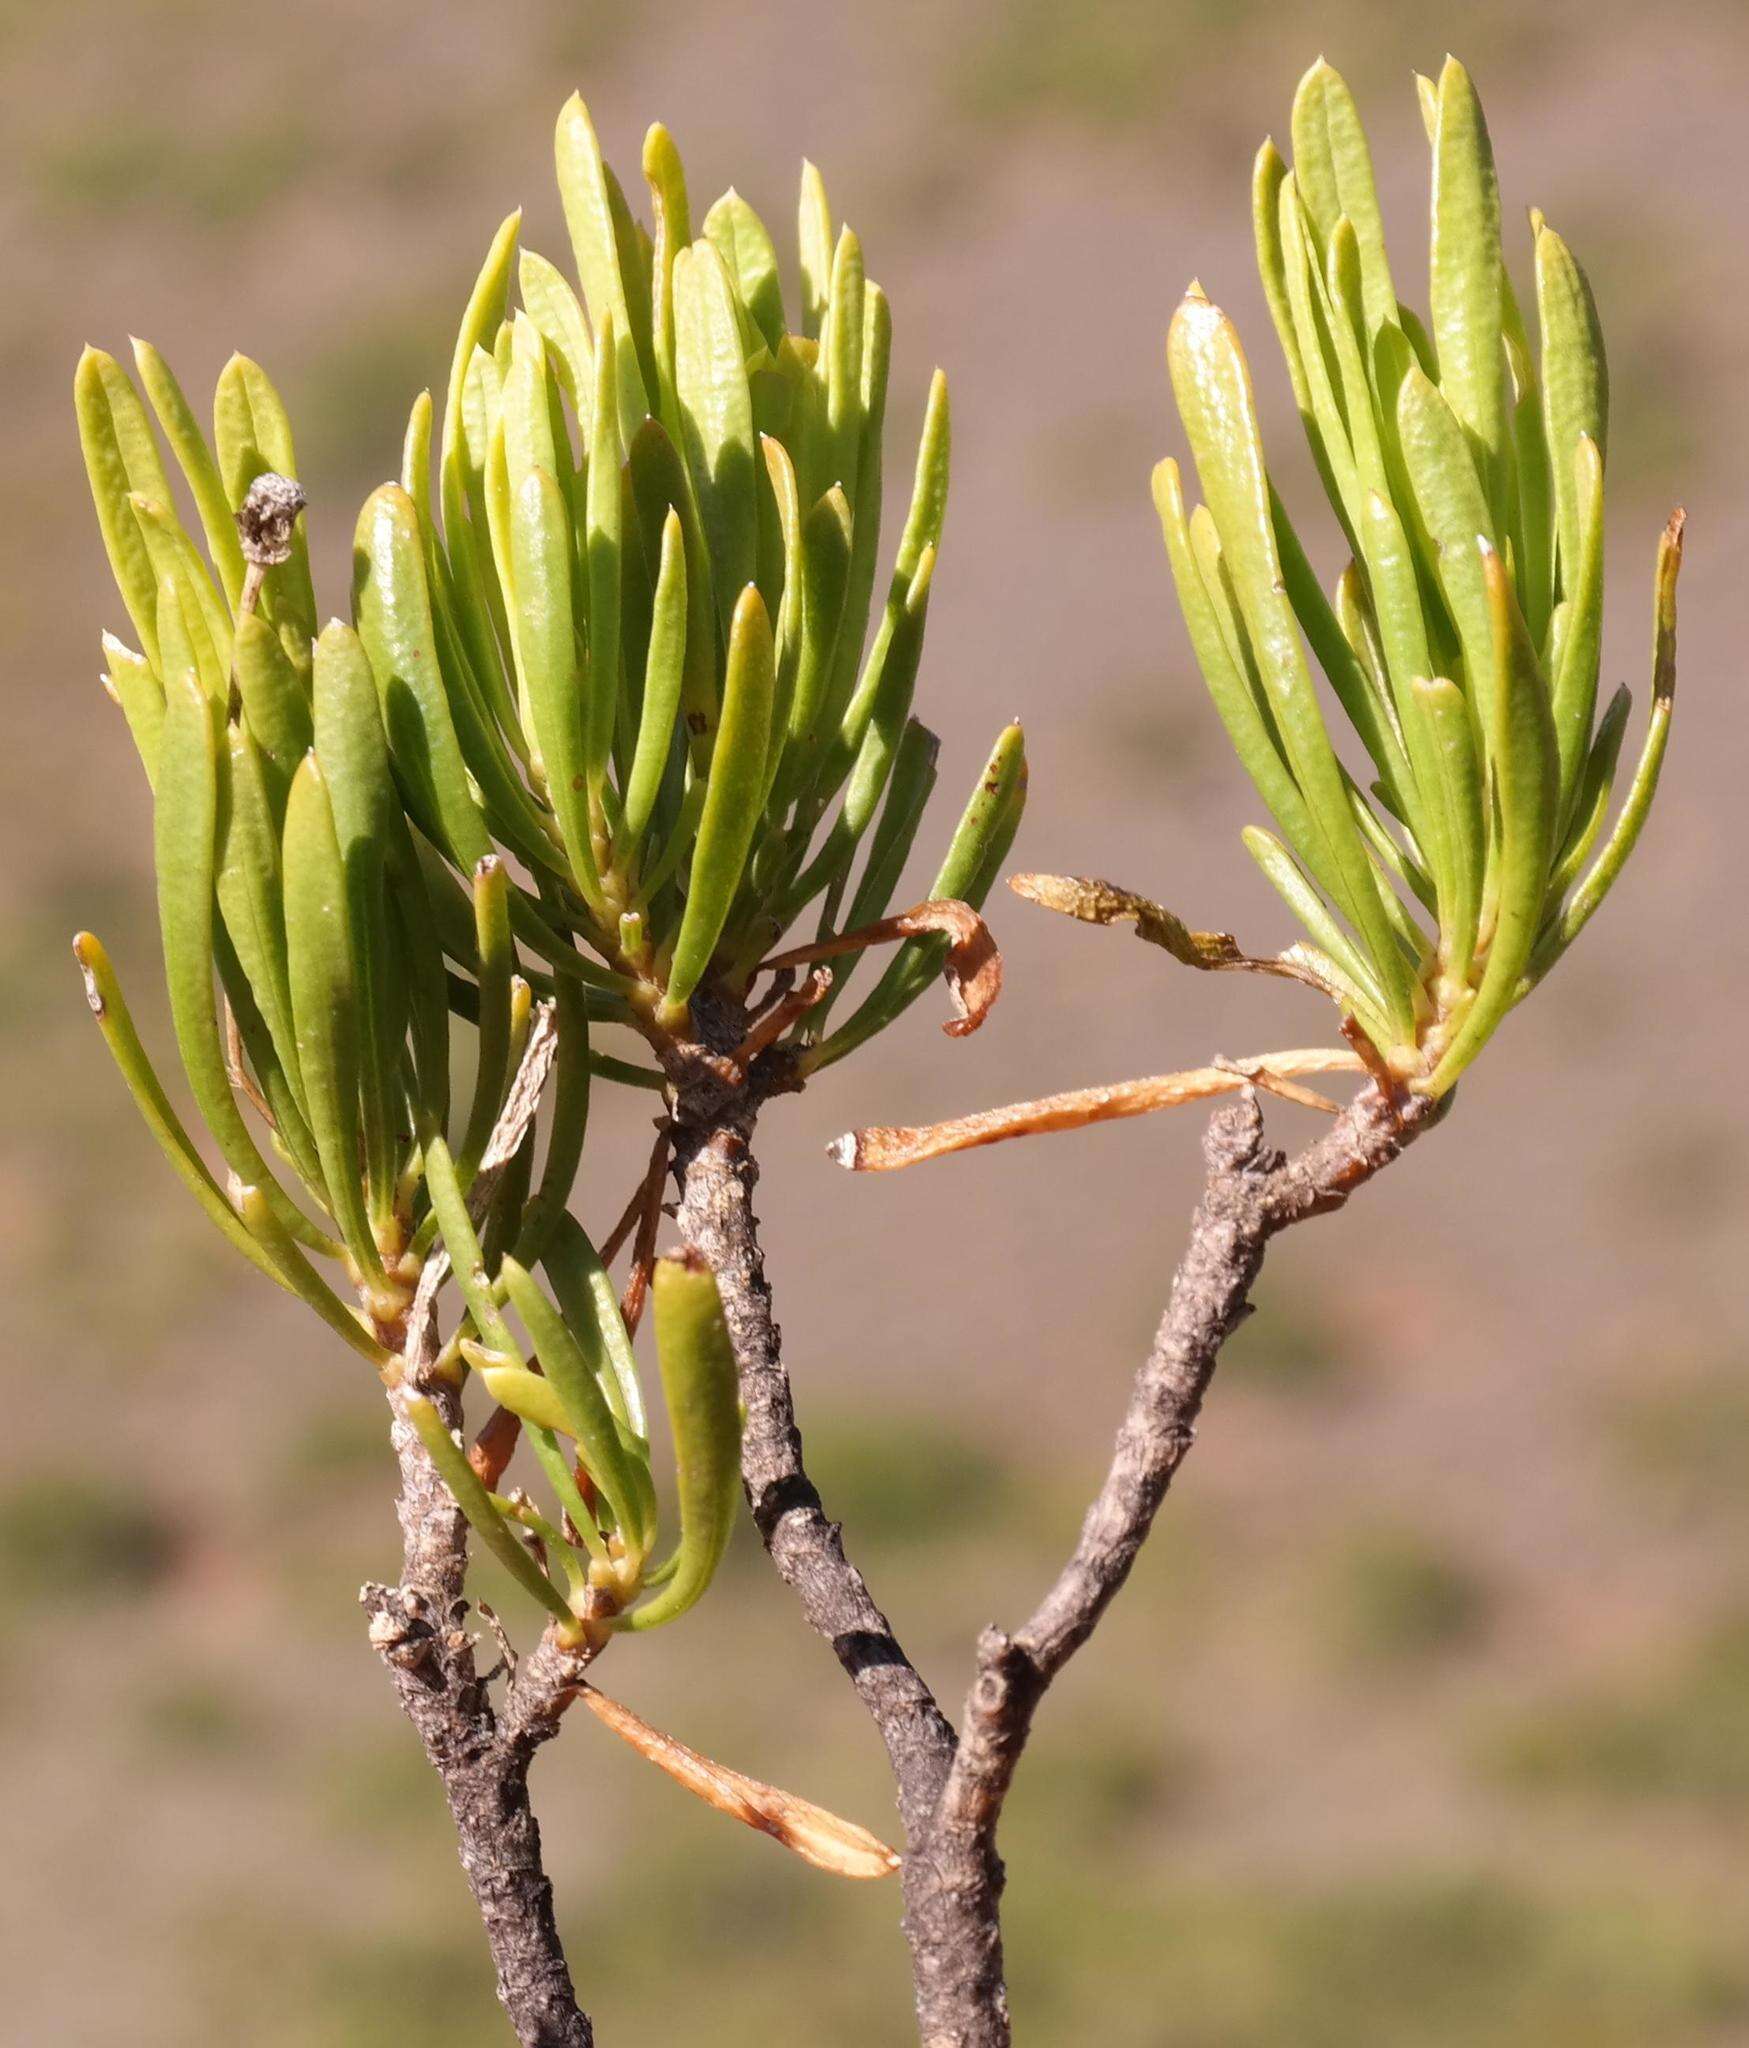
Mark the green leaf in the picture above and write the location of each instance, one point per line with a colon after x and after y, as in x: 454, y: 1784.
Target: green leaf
x: 476, y: 1503
x: 979, y: 845
x: 590, y: 1307
x: 664, y: 670
x: 1334, y: 168
x: 188, y: 444
x: 371, y: 832
x: 251, y: 897
x: 392, y: 610
x: 325, y: 1006
x: 253, y: 435
x: 660, y: 485
x: 185, y: 841
x: 121, y: 458
x: 547, y: 648
x: 1575, y: 386
x: 602, y: 544
x: 574, y: 1064
x: 732, y: 798
x: 701, y: 1390
x: 576, y: 1405
x: 1581, y: 650
x: 129, y: 679
x: 716, y: 413
x: 585, y: 186
x: 275, y: 700
x: 1214, y: 398
x: 1458, y: 765
x: 285, y: 1266
x: 496, y: 969
x: 1466, y: 274
x: 1526, y: 771
x: 741, y: 239
x: 814, y: 238
x: 672, y: 212
x: 1453, y: 513
x: 554, y: 309
x: 1638, y: 802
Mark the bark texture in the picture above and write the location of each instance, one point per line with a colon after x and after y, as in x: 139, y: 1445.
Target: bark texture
x: 480, y: 1753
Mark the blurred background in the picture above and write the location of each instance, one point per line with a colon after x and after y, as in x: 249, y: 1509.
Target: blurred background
x: 1425, y: 1719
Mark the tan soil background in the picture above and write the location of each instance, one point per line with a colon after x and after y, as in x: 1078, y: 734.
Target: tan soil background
x: 1426, y: 1719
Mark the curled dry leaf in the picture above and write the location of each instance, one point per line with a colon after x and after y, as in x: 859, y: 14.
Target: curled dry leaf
x: 818, y: 1837
x: 973, y: 967
x: 1096, y: 902
x: 883, y: 1148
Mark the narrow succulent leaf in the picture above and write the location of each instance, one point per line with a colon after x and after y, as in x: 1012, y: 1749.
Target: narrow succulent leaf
x: 780, y: 583
x: 294, y: 1271
x: 602, y: 544
x: 547, y: 648
x: 664, y: 671
x: 185, y: 843
x: 672, y: 212
x: 368, y: 824
x: 392, y: 607
x: 907, y: 797
x: 979, y: 844
x: 575, y: 1404
x: 130, y: 680
x: 590, y: 1306
x: 250, y: 894
x: 1574, y: 680
x: 841, y: 356
x: 1526, y: 770
x: 252, y: 435
x: 1575, y: 387
x: 745, y: 246
x: 1315, y: 344
x: 325, y: 1005
x: 814, y: 235
x: 1268, y: 177
x: 574, y: 1065
x: 121, y: 457
x: 1214, y: 397
x: 475, y: 1502
x: 462, y: 1242
x: 177, y: 560
x: 1624, y: 836
x: 1287, y: 879
x: 1466, y: 272
x: 416, y: 466
x: 825, y: 580
x: 1590, y: 802
x: 185, y: 639
x: 104, y: 996
x: 701, y: 1391
x: 276, y: 703
x: 1452, y: 511
x: 1453, y: 741
x: 188, y: 444
x: 732, y: 799
x: 716, y: 411
x: 660, y: 485
x: 480, y: 322
x: 585, y: 186
x: 1225, y: 669
x: 497, y: 965
x: 554, y: 308
x: 1334, y: 167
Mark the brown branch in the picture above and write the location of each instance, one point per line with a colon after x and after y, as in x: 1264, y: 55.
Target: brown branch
x: 716, y: 1172
x: 954, y: 1874
x: 481, y: 1754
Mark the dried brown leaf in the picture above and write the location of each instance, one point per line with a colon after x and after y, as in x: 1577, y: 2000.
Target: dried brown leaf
x: 818, y: 1837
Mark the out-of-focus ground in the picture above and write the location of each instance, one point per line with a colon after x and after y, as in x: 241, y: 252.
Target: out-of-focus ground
x: 1425, y: 1720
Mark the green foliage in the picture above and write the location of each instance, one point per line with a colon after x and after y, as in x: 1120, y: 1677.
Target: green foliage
x: 620, y: 645
x: 630, y: 599
x: 1462, y: 640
